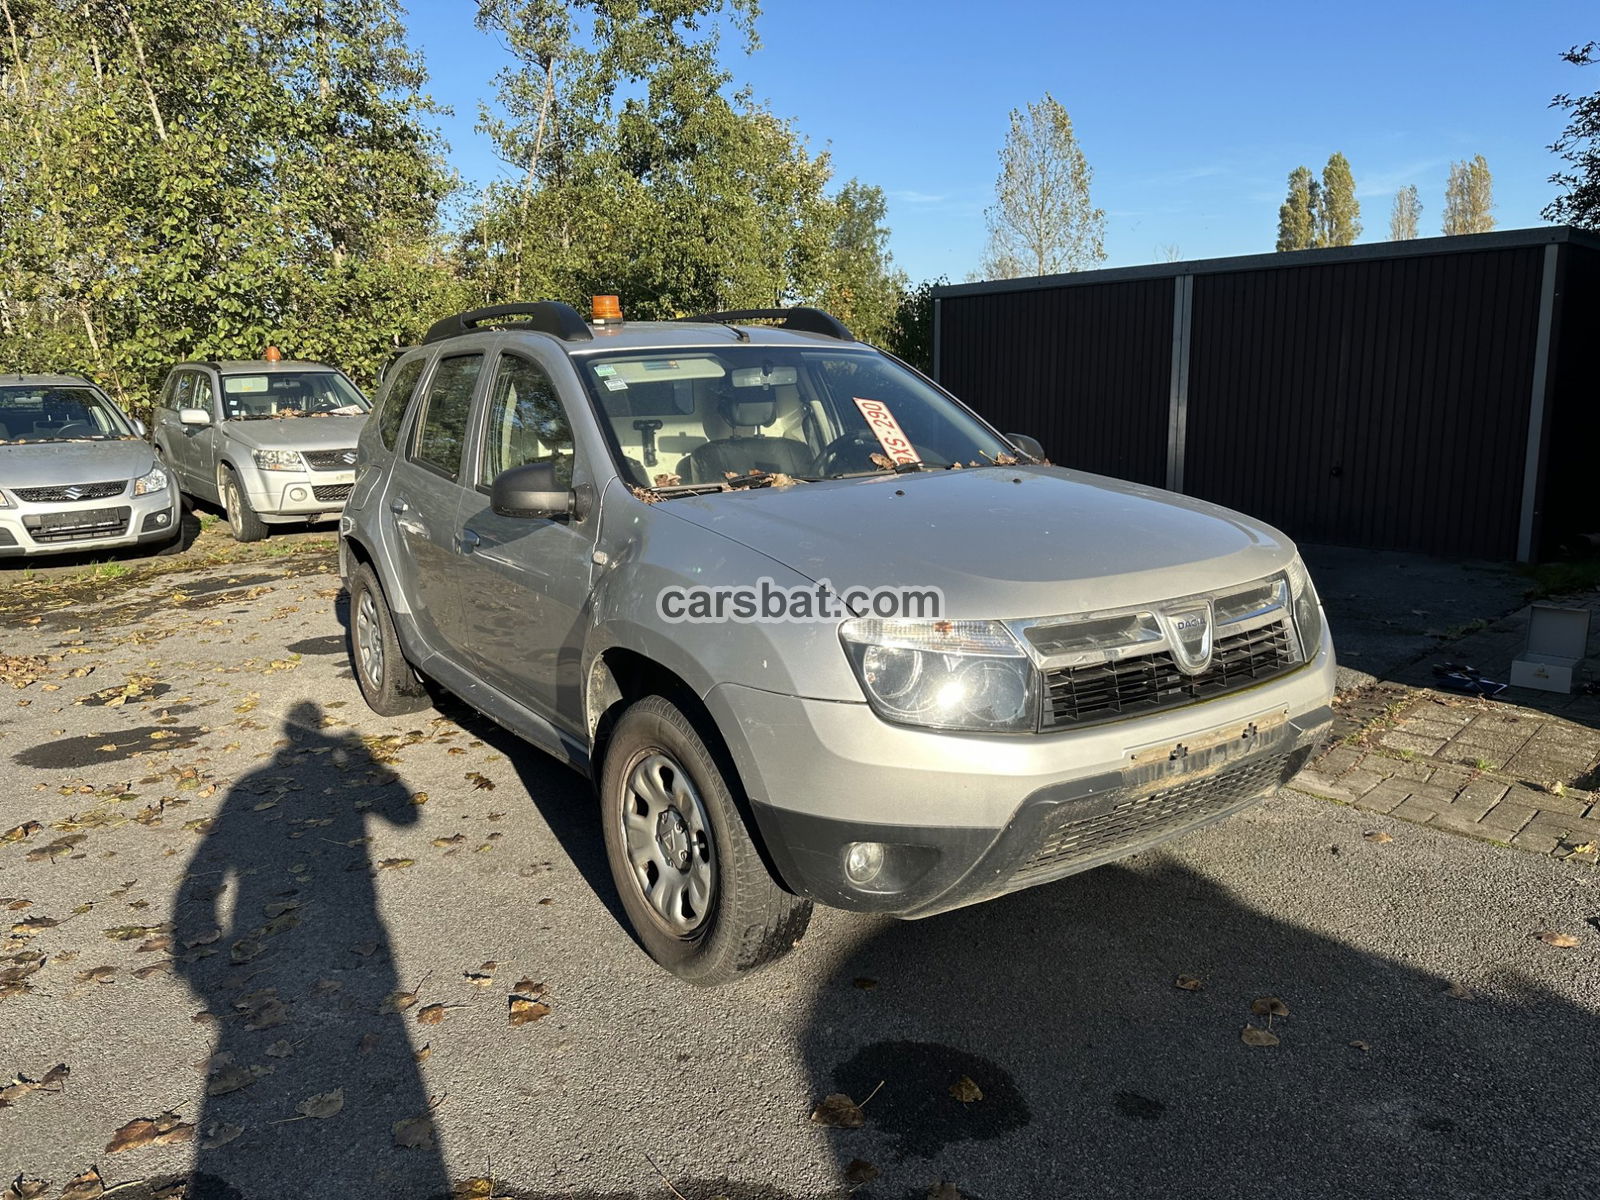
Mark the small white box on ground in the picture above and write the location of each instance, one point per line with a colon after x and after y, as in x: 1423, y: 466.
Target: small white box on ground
x: 1557, y: 640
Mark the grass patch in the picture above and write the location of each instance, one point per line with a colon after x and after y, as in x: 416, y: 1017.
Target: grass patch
x: 1563, y: 578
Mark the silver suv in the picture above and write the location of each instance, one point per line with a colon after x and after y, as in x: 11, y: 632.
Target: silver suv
x: 815, y: 630
x: 76, y: 473
x: 272, y: 441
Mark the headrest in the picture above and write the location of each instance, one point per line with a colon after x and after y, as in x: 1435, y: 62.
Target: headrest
x: 756, y: 411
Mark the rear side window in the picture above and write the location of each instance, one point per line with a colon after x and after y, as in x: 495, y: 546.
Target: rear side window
x: 442, y: 433
x: 395, y: 399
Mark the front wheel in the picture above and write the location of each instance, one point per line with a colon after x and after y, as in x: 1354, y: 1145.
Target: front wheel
x: 695, y: 888
x: 242, y: 519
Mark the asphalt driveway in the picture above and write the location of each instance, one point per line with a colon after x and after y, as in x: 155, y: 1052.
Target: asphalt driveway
x: 292, y: 937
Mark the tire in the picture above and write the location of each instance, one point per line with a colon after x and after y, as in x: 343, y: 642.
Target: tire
x: 700, y: 898
x: 388, y: 684
x: 242, y: 519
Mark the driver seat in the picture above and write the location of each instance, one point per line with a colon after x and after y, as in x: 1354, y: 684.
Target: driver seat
x: 711, y: 462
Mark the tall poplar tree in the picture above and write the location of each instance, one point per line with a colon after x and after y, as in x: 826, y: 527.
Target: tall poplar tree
x: 1297, y: 215
x: 1043, y: 220
x: 1579, y: 147
x: 1338, y: 211
x: 1404, y: 215
x: 1469, y: 198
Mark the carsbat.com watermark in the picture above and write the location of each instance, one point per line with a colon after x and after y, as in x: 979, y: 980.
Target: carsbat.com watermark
x: 766, y: 600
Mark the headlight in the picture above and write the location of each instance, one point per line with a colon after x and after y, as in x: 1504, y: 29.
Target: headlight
x: 943, y: 674
x: 279, y: 460
x: 156, y: 481
x: 1307, y: 609
x: 4, y: 503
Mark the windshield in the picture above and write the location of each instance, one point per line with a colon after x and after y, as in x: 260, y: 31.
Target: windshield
x: 701, y: 417
x: 290, y: 394
x: 58, y: 413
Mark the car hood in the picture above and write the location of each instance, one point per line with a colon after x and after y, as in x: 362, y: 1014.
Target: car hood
x: 47, y: 464
x: 296, y: 433
x: 1000, y: 543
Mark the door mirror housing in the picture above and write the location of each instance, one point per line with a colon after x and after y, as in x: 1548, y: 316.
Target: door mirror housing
x: 530, y: 491
x: 194, y: 416
x: 139, y: 427
x: 1029, y: 446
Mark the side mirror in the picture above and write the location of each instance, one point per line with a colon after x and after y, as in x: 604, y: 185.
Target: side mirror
x: 1029, y: 446
x: 194, y: 416
x: 139, y: 427
x: 530, y: 491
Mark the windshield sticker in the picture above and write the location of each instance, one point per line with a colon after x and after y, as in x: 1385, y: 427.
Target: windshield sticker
x: 238, y: 384
x: 617, y: 385
x: 887, y: 430
x: 604, y: 370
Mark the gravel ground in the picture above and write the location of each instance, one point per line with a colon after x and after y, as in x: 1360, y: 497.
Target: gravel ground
x: 296, y: 862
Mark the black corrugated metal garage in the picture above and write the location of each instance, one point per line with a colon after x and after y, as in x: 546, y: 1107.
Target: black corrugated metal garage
x: 1434, y: 395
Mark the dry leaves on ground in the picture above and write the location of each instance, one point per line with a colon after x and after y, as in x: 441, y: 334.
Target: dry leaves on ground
x: 1254, y: 1035
x: 88, y: 1186
x: 966, y: 1091
x: 1188, y: 983
x: 163, y: 1130
x: 1269, y: 1006
x: 1378, y: 837
x: 838, y: 1111
x: 54, y: 1080
x: 414, y: 1133
x: 1550, y: 937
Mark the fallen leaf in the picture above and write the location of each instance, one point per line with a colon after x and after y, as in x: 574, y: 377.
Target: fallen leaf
x: 245, y: 950
x: 23, y: 832
x: 131, y: 933
x: 1459, y: 991
x: 282, y: 1048
x: 26, y: 1187
x: 454, y: 839
x: 96, y: 975
x: 1188, y: 983
x: 1255, y: 1036
x: 838, y: 1111
x: 392, y: 864
x: 1269, y: 1006
x: 525, y: 1011
x: 155, y: 968
x: 422, y: 1054
x: 529, y: 987
x: 1550, y: 937
x: 87, y: 1186
x: 1378, y: 837
x: 397, y: 1002
x: 432, y: 1014
x: 229, y: 1079
x: 480, y: 781
x: 218, y: 1133
x: 1360, y: 1045
x: 165, y: 1130
x: 414, y: 1133
x: 321, y: 1106
x: 858, y: 1171
x: 966, y: 1091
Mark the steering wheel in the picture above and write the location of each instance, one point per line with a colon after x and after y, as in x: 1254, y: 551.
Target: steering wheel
x: 859, y: 444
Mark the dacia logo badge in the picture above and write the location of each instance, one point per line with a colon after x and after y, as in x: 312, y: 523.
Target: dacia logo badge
x: 1189, y: 631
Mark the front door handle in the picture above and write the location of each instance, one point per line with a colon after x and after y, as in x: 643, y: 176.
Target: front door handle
x: 467, y: 541
x: 397, y: 506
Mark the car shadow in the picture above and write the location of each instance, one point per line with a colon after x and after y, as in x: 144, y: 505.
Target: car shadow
x: 278, y: 933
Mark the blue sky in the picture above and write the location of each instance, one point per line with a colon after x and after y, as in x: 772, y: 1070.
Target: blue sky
x: 1191, y: 115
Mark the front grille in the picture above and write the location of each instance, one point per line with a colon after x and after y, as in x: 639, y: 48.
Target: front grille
x: 77, y: 526
x: 1148, y: 682
x: 1070, y: 839
x: 330, y: 460
x: 332, y: 493
x: 67, y: 493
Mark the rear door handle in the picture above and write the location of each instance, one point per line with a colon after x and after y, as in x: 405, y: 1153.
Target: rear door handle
x: 397, y: 505
x: 467, y: 541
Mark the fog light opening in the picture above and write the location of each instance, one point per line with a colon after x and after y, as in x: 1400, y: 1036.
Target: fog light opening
x: 863, y: 862
x: 298, y: 493
x: 161, y: 518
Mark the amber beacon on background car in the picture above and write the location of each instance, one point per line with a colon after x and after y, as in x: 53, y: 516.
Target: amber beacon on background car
x: 1110, y: 665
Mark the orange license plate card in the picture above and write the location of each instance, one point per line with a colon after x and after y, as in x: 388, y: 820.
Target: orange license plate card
x: 887, y: 430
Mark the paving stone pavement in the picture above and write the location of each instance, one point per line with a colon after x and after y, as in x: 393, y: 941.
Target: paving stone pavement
x: 1522, y: 770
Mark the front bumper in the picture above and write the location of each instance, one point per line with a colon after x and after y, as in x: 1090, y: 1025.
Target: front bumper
x: 28, y: 529
x: 282, y: 497
x: 964, y: 818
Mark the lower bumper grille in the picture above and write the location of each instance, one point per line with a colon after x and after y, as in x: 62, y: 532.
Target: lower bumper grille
x: 1149, y: 682
x: 1071, y: 838
x: 332, y: 493
x: 67, y: 493
x: 78, y: 526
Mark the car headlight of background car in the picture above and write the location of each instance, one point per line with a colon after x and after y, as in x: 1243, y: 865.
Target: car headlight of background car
x: 155, y: 481
x: 1307, y: 609
x: 279, y: 460
x: 969, y: 675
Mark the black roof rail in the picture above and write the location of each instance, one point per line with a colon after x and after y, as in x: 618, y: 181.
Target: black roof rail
x: 541, y: 316
x: 802, y: 320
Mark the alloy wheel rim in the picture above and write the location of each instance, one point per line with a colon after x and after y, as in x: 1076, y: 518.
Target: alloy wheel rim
x: 669, y: 846
x: 369, y: 643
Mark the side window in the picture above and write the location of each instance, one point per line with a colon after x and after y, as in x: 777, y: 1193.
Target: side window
x: 202, y: 391
x: 527, y: 423
x: 396, y: 398
x: 183, y: 390
x: 441, y: 435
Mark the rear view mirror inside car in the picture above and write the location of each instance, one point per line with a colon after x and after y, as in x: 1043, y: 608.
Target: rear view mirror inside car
x: 746, y: 377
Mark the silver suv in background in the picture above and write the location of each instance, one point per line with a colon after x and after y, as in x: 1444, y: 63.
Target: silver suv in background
x: 580, y: 528
x: 76, y: 473
x: 272, y: 441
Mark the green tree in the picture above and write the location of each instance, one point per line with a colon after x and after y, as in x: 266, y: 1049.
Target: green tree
x: 1579, y: 147
x: 1297, y: 215
x: 911, y: 337
x: 1469, y: 198
x: 1338, y: 212
x: 1043, y: 220
x: 1403, y: 216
